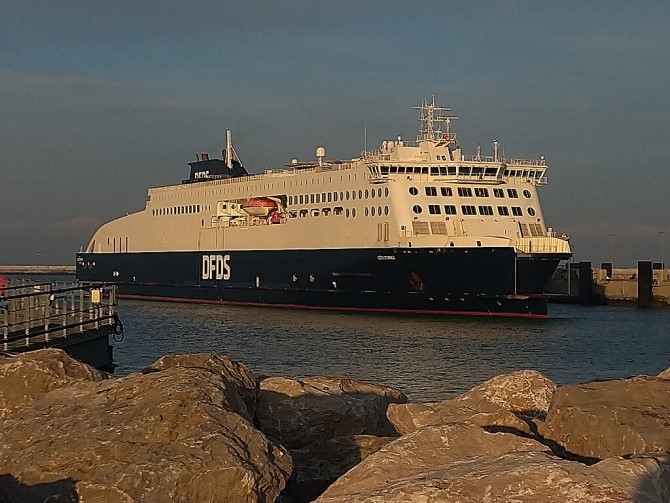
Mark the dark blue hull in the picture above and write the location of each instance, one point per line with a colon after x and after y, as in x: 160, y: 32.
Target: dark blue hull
x: 417, y: 280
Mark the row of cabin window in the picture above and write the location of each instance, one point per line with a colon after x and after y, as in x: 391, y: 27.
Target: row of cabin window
x: 329, y: 197
x: 177, y: 210
x: 439, y: 170
x: 468, y: 209
x: 468, y: 191
x: 458, y: 170
x: 338, y: 210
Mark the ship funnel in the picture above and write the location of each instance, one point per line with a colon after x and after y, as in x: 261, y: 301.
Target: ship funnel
x: 229, y: 149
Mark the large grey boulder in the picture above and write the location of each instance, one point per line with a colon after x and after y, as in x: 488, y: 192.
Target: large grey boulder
x: 302, y: 412
x: 521, y: 476
x: 524, y: 392
x: 169, y: 435
x: 30, y: 375
x: 499, y: 403
x: 409, y: 417
x: 238, y: 380
x: 611, y: 418
x: 421, y: 452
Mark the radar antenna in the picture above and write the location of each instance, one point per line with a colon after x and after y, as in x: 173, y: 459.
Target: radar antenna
x: 430, y: 120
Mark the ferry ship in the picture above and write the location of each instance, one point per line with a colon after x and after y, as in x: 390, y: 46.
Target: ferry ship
x: 412, y: 227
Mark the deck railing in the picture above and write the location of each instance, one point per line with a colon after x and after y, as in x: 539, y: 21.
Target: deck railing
x: 33, y: 314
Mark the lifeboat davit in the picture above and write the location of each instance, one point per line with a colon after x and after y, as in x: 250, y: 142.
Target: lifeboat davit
x: 259, y: 206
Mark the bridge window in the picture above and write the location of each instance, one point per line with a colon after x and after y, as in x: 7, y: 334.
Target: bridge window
x: 446, y: 191
x: 481, y: 192
x: 464, y: 191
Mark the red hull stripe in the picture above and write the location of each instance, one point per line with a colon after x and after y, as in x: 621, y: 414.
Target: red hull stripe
x: 331, y: 308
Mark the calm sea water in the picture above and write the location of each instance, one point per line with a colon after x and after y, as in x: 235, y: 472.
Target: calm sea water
x: 428, y: 358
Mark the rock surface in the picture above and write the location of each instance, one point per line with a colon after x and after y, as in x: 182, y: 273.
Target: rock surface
x: 299, y: 413
x: 170, y: 435
x: 522, y: 477
x: 409, y: 417
x: 665, y: 374
x: 238, y: 379
x: 496, y: 403
x: 524, y: 392
x: 28, y: 376
x: 423, y: 451
x: 603, y: 419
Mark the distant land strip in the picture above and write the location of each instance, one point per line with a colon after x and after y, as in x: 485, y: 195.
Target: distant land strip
x: 37, y: 269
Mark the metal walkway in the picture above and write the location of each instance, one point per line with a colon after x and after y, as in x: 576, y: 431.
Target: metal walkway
x: 66, y: 315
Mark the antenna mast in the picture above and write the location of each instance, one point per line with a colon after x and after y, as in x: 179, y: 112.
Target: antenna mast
x: 430, y: 120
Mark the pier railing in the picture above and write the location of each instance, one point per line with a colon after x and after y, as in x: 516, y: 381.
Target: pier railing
x: 37, y: 314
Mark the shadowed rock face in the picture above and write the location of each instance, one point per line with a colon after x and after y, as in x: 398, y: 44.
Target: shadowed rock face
x: 612, y: 418
x: 170, y: 435
x: 316, y: 468
x: 301, y: 412
x: 28, y: 376
x: 522, y: 477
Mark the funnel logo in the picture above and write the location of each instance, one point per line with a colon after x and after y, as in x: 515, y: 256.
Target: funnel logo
x: 215, y: 267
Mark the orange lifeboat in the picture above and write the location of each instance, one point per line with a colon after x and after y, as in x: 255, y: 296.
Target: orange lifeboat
x: 259, y: 206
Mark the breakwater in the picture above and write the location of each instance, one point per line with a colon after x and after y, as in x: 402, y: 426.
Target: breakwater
x: 37, y: 269
x: 206, y: 428
x: 647, y: 285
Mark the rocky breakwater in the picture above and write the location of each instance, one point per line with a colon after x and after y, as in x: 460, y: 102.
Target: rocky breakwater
x: 182, y: 430
x: 198, y: 428
x: 520, y: 438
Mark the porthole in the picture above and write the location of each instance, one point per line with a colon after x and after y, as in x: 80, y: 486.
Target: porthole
x: 353, y: 212
x: 360, y: 194
x: 367, y: 211
x: 386, y: 192
x: 526, y: 194
x: 413, y: 191
x: 379, y: 192
x: 531, y: 212
x: 386, y: 210
x: 347, y: 196
x: 347, y: 212
x: 372, y: 193
x: 379, y: 211
x: 373, y: 211
x: 367, y: 193
x: 417, y: 209
x: 353, y: 195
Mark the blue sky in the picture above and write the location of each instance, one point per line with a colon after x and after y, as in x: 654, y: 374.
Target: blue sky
x: 100, y: 100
